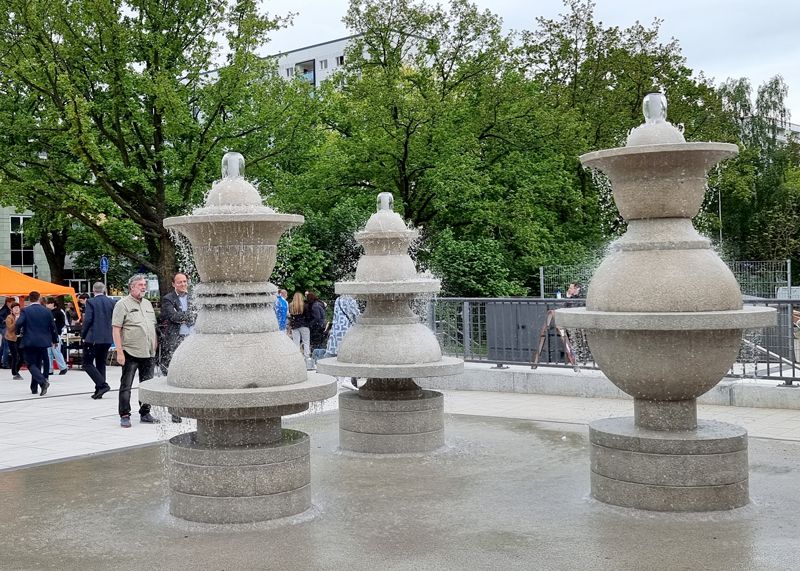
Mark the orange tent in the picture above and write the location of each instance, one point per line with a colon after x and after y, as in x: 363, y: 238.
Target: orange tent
x: 13, y: 283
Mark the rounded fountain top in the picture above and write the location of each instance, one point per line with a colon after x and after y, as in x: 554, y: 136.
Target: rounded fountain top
x: 656, y: 130
x: 658, y: 174
x: 233, y: 235
x: 386, y: 268
x: 232, y: 194
x: 385, y: 222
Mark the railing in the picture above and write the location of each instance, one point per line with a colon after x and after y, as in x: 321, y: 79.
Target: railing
x: 761, y: 278
x: 522, y: 331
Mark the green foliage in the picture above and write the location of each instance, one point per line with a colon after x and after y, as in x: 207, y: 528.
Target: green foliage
x: 300, y: 266
x: 112, y: 111
x: 472, y: 268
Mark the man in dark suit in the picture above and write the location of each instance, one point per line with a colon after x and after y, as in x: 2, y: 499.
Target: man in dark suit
x: 177, y: 321
x: 38, y: 333
x: 97, y: 340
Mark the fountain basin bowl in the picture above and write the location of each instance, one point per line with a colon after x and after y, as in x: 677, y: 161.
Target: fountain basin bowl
x: 665, y: 356
x: 235, y: 246
x: 444, y: 367
x: 159, y: 392
x: 659, y: 181
x: 388, y: 289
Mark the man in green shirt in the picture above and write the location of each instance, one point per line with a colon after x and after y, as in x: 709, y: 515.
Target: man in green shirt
x: 133, y: 326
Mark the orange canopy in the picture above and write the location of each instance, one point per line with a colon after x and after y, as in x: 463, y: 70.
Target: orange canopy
x: 13, y: 283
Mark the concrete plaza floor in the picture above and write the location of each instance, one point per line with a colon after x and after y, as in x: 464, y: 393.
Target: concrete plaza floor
x: 66, y: 423
x: 508, y: 491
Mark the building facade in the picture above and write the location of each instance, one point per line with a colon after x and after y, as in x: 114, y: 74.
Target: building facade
x: 313, y: 63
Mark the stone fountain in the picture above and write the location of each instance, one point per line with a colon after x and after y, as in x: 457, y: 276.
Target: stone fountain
x: 238, y: 374
x: 389, y: 347
x: 664, y: 319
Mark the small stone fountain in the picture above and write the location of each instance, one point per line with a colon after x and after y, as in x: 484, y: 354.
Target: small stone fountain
x: 389, y: 347
x: 664, y: 319
x: 238, y: 374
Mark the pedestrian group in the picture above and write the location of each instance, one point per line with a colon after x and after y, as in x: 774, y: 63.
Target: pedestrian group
x: 140, y: 342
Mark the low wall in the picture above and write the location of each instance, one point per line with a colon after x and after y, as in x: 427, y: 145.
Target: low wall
x: 593, y: 384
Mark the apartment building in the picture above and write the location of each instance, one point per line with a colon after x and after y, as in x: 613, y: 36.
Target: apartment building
x: 313, y: 63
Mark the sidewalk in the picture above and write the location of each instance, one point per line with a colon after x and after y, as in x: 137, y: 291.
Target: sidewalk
x: 67, y: 423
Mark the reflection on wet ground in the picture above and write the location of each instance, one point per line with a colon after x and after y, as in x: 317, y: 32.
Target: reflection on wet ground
x: 503, y: 494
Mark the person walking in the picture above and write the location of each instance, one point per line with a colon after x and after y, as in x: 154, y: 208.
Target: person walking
x: 133, y: 323
x: 54, y: 353
x: 177, y: 318
x: 97, y: 337
x: 13, y: 339
x: 298, y: 321
x: 38, y: 330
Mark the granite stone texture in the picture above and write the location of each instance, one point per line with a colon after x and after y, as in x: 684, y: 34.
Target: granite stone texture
x: 389, y: 344
x: 663, y: 319
x: 237, y: 374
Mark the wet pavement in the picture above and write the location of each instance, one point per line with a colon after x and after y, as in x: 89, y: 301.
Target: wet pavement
x: 503, y: 494
x: 509, y: 491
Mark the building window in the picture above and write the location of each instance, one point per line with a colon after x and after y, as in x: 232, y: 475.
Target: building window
x: 323, y: 64
x: 21, y: 255
x: 339, y: 60
x: 306, y: 70
x: 289, y: 71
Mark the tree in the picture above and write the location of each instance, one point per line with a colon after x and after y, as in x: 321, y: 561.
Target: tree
x: 599, y: 75
x: 432, y: 108
x: 111, y: 111
x: 759, y: 188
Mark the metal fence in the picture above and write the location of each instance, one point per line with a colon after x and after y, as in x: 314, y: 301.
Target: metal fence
x: 768, y: 279
x: 522, y: 331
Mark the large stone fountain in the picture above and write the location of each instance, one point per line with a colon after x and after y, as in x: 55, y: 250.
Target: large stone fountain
x: 238, y: 374
x: 389, y: 347
x: 664, y: 319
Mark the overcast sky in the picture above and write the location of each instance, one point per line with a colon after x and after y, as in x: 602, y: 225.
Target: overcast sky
x: 756, y: 39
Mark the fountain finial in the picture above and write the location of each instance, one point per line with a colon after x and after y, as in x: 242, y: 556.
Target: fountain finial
x: 232, y: 194
x: 655, y: 130
x: 654, y: 107
x: 232, y: 165
x: 385, y: 201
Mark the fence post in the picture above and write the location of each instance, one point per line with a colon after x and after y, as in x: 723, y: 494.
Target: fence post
x: 466, y: 321
x: 541, y: 281
x: 789, y: 277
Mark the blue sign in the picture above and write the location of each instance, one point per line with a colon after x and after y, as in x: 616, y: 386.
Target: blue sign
x: 104, y: 264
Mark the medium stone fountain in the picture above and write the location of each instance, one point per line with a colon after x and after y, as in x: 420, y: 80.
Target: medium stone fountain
x: 238, y: 374
x: 664, y: 319
x: 389, y: 346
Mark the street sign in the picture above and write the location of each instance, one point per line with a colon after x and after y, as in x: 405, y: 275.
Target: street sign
x: 104, y: 264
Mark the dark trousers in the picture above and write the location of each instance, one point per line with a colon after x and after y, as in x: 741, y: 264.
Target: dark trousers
x: 94, y: 363
x: 38, y: 365
x: 145, y: 367
x: 16, y: 356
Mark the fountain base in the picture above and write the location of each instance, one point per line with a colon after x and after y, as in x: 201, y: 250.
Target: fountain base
x: 699, y: 470
x: 391, y: 425
x: 239, y: 484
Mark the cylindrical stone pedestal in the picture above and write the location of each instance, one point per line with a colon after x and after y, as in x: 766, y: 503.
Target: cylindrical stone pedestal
x: 391, y: 426
x: 698, y: 470
x: 239, y: 484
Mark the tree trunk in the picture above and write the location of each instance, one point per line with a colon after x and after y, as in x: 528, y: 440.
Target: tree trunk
x: 55, y: 251
x: 167, y: 263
